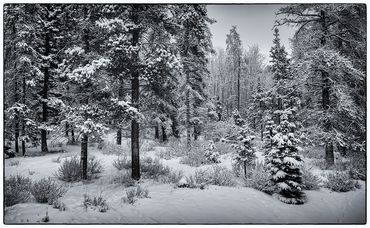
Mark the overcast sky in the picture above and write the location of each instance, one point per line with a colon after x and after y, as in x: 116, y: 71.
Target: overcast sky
x: 254, y: 24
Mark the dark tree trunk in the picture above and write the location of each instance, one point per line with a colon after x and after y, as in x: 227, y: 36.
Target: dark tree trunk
x: 16, y: 116
x: 329, y: 151
x: 73, y: 140
x: 187, y: 96
x: 329, y: 154
x: 83, y: 162
x: 135, y: 159
x: 23, y: 121
x: 67, y: 129
x: 174, y: 126
x: 119, y: 137
x: 238, y: 91
x: 45, y: 91
x: 156, y: 132
x: 164, y: 135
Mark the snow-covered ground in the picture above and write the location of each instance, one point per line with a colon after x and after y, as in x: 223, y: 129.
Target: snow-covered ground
x: 168, y: 204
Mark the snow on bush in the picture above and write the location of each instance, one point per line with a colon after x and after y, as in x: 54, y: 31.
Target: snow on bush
x: 310, y: 181
x: 112, y: 148
x: 122, y: 163
x: 133, y: 193
x: 259, y: 179
x: 341, y: 182
x: 125, y: 179
x: 70, y: 170
x: 95, y: 202
x: 216, y: 175
x: 47, y: 190
x: 16, y: 190
x: 153, y: 168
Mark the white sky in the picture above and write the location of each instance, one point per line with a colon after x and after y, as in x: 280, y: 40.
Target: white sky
x: 254, y: 24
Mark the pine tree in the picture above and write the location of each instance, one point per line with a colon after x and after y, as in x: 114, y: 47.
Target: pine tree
x: 234, y: 55
x: 194, y: 42
x: 284, y: 163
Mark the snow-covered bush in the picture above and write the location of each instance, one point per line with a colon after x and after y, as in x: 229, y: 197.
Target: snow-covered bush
x: 221, y: 176
x: 172, y: 177
x: 124, y: 179
x: 341, y: 182
x: 153, y: 168
x: 211, y: 154
x: 57, y: 204
x: 112, y: 148
x: 14, y: 163
x: 310, y: 181
x: 16, y: 190
x: 133, y: 193
x: 47, y: 190
x: 95, y: 202
x: 70, y: 170
x: 357, y: 167
x: 216, y: 175
x: 259, y: 179
x: 122, y: 163
x: 195, y: 157
x: 217, y: 130
x: 284, y: 163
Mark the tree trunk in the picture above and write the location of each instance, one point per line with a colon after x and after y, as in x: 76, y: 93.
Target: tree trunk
x: 135, y: 159
x: 156, y: 132
x: 174, y: 126
x: 187, y: 96
x: 16, y: 116
x: 73, y: 140
x: 83, y: 162
x: 23, y: 121
x: 119, y: 137
x: 329, y: 152
x: 164, y: 135
x: 195, y: 133
x: 67, y: 129
x: 45, y: 91
x: 238, y: 100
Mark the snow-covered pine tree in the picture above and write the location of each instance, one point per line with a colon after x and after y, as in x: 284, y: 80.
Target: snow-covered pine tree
x: 284, y: 163
x: 234, y: 58
x: 327, y: 50
x: 211, y: 154
x: 245, y: 153
x: 194, y: 42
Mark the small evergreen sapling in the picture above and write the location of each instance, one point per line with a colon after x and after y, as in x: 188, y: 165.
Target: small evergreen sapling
x: 284, y: 163
x: 245, y: 152
x: 211, y: 155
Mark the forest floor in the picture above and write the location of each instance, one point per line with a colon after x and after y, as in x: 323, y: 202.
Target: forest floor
x: 167, y: 204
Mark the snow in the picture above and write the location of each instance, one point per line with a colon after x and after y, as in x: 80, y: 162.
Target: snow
x: 168, y: 204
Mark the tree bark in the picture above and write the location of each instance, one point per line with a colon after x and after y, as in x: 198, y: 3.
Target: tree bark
x: 238, y: 100
x: 45, y: 91
x: 23, y: 121
x: 67, y: 129
x: 73, y: 140
x: 16, y: 117
x: 329, y: 151
x: 119, y: 137
x: 156, y: 132
x: 164, y: 135
x: 135, y: 159
x: 83, y: 161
